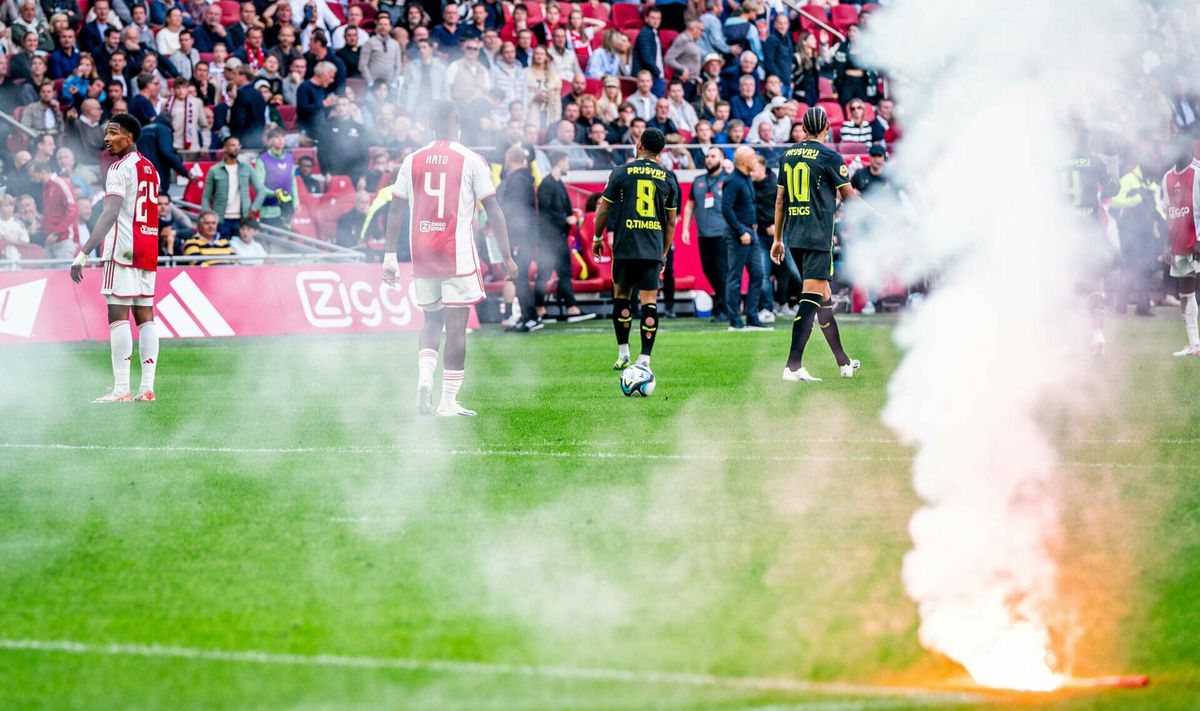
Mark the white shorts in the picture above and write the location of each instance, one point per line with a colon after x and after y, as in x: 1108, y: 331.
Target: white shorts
x: 433, y: 292
x: 1184, y: 265
x: 127, y: 286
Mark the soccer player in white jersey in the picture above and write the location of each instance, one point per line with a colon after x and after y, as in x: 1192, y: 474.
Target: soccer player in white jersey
x: 439, y: 186
x: 128, y: 226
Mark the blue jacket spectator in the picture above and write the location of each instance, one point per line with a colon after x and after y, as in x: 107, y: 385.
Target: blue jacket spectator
x: 157, y: 144
x: 247, y: 116
x: 778, y: 52
x: 64, y: 60
x: 648, y: 49
x: 713, y: 40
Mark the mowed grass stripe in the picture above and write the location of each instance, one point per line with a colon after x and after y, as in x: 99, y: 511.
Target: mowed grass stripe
x: 451, y: 666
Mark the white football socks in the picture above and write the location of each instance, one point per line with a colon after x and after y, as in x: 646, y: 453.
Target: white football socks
x: 1190, y: 311
x: 452, y: 381
x: 148, y: 352
x: 120, y: 340
x: 623, y: 351
x: 426, y: 364
x: 644, y: 360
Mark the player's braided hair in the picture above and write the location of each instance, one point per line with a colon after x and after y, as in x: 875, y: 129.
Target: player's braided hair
x: 815, y: 121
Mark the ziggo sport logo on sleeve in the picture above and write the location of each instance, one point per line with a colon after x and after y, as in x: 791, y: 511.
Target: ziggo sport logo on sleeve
x: 329, y: 302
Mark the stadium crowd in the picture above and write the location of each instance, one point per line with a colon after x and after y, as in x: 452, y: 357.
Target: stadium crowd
x: 296, y: 113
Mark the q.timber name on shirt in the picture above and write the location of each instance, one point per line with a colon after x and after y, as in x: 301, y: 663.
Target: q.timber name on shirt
x: 658, y: 173
x: 635, y: 224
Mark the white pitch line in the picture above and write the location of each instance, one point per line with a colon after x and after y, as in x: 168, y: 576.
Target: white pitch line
x: 530, y: 453
x: 451, y: 666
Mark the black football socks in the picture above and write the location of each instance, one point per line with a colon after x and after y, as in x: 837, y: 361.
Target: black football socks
x: 810, y: 303
x: 832, y: 336
x: 622, y: 318
x: 649, y: 327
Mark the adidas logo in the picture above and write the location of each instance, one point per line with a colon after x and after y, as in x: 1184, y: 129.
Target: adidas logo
x: 187, y: 312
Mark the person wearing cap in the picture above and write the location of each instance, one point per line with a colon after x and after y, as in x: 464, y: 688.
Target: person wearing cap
x: 711, y: 69
x: 248, y: 116
x: 250, y: 250
x: 684, y: 55
x: 609, y: 105
x: 778, y: 114
x: 867, y: 178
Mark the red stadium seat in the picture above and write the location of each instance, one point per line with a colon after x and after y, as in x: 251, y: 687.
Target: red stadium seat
x: 230, y: 11
x: 817, y: 11
x: 303, y: 222
x: 566, y: 87
x: 870, y: 7
x: 825, y: 89
x: 667, y: 37
x: 340, y: 184
x: 369, y: 11
x: 834, y: 110
x: 631, y: 34
x: 597, y: 41
x: 206, y: 57
x: 31, y: 251
x: 536, y: 17
x: 842, y: 16
x: 626, y: 16
x: 603, y: 12
x: 287, y: 112
x: 628, y: 86
x: 595, y: 87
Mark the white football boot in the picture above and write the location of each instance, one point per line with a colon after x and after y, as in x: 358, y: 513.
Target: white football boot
x: 849, y: 368
x: 1187, y: 351
x: 800, y: 375
x: 115, y: 396
x: 454, y: 410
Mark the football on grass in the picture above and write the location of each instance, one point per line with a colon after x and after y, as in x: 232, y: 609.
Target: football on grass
x: 637, y: 381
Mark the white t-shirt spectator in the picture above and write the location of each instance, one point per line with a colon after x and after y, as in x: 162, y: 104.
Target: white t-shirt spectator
x: 856, y: 132
x: 254, y: 248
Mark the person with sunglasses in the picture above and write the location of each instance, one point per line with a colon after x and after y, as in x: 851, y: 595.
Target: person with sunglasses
x: 856, y: 129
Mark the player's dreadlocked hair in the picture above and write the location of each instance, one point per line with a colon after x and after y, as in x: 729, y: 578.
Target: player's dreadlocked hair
x: 815, y: 121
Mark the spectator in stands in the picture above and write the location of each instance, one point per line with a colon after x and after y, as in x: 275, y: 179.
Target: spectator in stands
x: 320, y: 53
x: 94, y: 31
x: 351, y: 224
x: 415, y: 16
x: 882, y: 122
x: 142, y: 106
x: 644, y: 100
x: 543, y: 88
x: 737, y: 206
x: 28, y: 213
x: 227, y: 189
x: 313, y: 97
x: 354, y: 18
x: 173, y: 216
x: 247, y: 117
x: 450, y: 34
x: 65, y: 59
x: 84, y: 131
x: 524, y: 47
x: 276, y: 168
x: 566, y: 64
x: 578, y: 89
x: 607, y: 108
x: 12, y: 231
x: 564, y: 139
x: 865, y: 178
x: 508, y: 75
x: 706, y: 102
x: 747, y: 105
x: 208, y: 241
x: 636, y: 128
x: 211, y: 31
x: 246, y: 245
x: 60, y: 209
x: 284, y: 48
x: 682, y: 114
x: 741, y: 30
x: 74, y: 87
x: 613, y: 58
x: 251, y: 53
x: 314, y: 182
x: 856, y: 129
x: 424, y: 81
x: 706, y: 206
x: 619, y: 129
x: 684, y: 55
x: 747, y: 65
x: 648, y: 50
x: 167, y: 39
x: 350, y: 53
x: 491, y: 48
x: 157, y: 144
x: 580, y: 31
x: 43, y: 115
x: 588, y: 114
x: 185, y: 59
x: 662, y: 118
x: 381, y: 56
x: 270, y: 74
x: 703, y: 139
x: 735, y: 132
x: 779, y: 50
x: 551, y: 17
x: 1185, y: 107
x: 467, y: 78
x: 343, y: 146
x: 805, y: 75
x: 186, y: 113
x: 247, y: 18
x: 850, y: 79
x: 711, y: 70
x: 601, y: 154
x: 777, y: 115
x: 64, y: 160
x: 295, y: 77
x: 138, y: 18
x: 21, y: 64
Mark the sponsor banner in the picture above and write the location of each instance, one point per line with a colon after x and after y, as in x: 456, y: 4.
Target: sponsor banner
x: 218, y: 301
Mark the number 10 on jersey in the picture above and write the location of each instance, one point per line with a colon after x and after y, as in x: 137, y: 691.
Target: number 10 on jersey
x: 796, y: 175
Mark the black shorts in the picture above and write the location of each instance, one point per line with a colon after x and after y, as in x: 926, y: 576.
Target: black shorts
x: 813, y: 263
x: 637, y: 274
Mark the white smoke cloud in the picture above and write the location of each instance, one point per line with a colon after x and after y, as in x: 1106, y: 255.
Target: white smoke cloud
x: 987, y: 89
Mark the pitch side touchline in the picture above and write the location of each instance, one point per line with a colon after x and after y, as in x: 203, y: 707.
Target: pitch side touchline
x: 483, y: 452
x: 480, y: 668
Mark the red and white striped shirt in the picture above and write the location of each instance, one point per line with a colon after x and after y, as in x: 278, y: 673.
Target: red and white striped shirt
x: 134, y: 239
x: 443, y: 182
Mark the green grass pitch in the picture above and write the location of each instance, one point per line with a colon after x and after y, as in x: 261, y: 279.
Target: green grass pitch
x: 280, y: 530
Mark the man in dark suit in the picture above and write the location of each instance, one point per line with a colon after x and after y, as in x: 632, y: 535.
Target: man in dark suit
x: 518, y: 198
x: 157, y: 144
x: 92, y: 38
x: 247, y: 17
x: 247, y: 117
x: 648, y: 50
x: 211, y: 31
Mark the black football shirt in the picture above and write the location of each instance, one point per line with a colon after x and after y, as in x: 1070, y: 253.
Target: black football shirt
x: 640, y: 193
x: 810, y: 174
